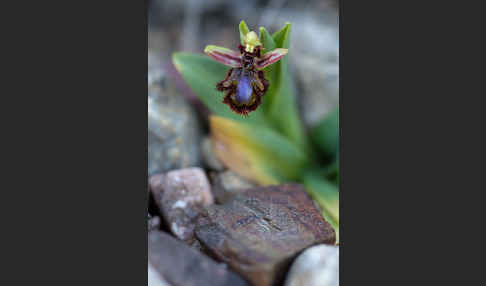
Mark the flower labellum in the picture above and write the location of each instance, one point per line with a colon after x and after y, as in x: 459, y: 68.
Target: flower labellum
x: 244, y: 90
x: 245, y: 82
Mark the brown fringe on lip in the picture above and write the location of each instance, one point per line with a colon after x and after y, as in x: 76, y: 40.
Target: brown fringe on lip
x: 266, y: 84
x: 219, y: 85
x: 242, y: 109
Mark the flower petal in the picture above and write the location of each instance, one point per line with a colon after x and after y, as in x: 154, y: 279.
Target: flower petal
x: 271, y: 58
x: 251, y: 41
x: 243, y: 31
x: 224, y: 56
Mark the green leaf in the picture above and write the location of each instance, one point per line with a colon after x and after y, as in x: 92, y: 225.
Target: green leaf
x: 331, y: 170
x: 243, y: 31
x: 202, y: 73
x: 326, y: 194
x: 326, y: 134
x: 271, y: 72
x: 267, y: 40
x: 281, y: 37
x: 282, y: 107
x: 257, y: 152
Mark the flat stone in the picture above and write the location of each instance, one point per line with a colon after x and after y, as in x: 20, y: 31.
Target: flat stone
x: 173, y: 262
x: 181, y: 195
x: 316, y: 266
x: 154, y: 278
x: 259, y: 232
x: 228, y: 184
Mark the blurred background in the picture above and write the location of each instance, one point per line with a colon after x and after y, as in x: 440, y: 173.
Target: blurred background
x: 190, y: 25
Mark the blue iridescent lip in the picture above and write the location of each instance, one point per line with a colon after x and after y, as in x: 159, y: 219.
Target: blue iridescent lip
x: 244, y: 90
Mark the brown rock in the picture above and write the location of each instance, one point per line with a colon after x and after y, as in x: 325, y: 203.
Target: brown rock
x: 181, y: 195
x: 258, y: 232
x: 177, y: 264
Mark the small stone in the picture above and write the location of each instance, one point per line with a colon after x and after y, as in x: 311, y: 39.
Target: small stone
x: 316, y: 266
x: 177, y: 264
x: 258, y: 232
x: 209, y: 157
x: 181, y: 195
x: 228, y: 184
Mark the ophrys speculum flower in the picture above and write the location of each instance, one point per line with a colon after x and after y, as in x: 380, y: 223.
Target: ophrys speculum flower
x: 245, y: 82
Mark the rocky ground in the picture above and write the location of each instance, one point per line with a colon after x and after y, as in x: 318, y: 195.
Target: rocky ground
x: 250, y: 238
x: 206, y: 224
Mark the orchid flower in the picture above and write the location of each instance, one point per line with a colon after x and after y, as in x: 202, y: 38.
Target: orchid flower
x: 245, y: 82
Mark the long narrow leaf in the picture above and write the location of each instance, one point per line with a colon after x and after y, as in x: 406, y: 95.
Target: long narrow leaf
x: 283, y: 112
x: 257, y: 152
x: 271, y: 72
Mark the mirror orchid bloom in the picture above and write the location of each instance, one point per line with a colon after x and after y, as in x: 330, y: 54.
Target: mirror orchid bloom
x: 245, y: 82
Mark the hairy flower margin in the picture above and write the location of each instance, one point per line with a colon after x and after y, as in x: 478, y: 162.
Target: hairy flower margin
x: 245, y: 82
